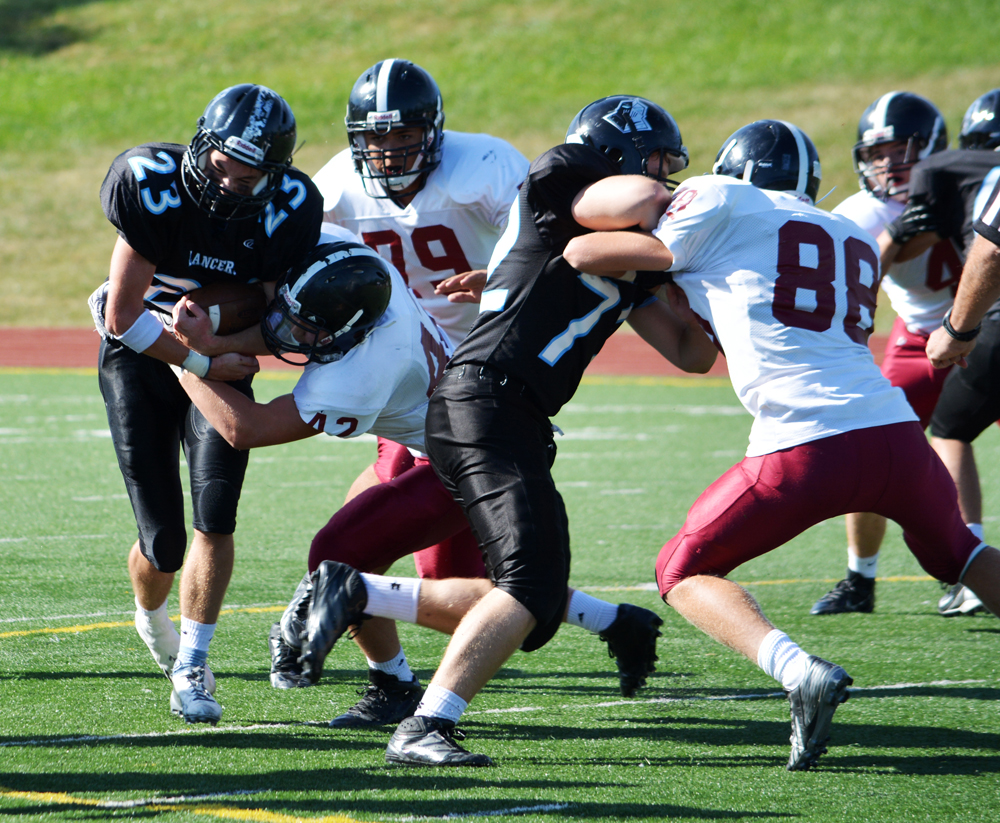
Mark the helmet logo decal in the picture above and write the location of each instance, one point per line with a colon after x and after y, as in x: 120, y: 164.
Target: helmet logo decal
x: 239, y: 146
x: 261, y: 112
x: 380, y: 118
x: 981, y: 116
x: 885, y: 134
x: 629, y: 116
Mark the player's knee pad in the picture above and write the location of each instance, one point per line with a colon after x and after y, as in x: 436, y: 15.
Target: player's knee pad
x: 164, y: 547
x: 214, y: 503
x: 544, y: 595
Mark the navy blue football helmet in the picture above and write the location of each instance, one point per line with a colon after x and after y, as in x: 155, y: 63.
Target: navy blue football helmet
x: 248, y: 123
x: 772, y: 154
x: 395, y: 94
x: 981, y: 124
x: 630, y: 130
x: 898, y: 116
x: 327, y: 304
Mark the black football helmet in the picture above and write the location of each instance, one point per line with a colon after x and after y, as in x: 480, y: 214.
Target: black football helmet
x: 771, y: 154
x: 981, y: 124
x: 327, y: 304
x: 629, y: 129
x: 895, y: 117
x: 248, y: 123
x: 395, y: 94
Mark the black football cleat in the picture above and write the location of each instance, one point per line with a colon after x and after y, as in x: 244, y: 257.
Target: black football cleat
x: 855, y: 593
x: 339, y: 600
x: 812, y: 704
x: 386, y: 699
x: 430, y: 741
x: 293, y: 620
x: 286, y: 671
x: 631, y: 640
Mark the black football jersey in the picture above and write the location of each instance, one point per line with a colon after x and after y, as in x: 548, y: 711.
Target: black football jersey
x: 950, y: 180
x: 143, y: 196
x: 988, y: 224
x: 542, y: 321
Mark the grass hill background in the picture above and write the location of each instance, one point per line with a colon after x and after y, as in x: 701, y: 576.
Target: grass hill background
x: 82, y: 81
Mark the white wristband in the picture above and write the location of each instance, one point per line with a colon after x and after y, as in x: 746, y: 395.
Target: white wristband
x: 142, y: 333
x: 196, y: 363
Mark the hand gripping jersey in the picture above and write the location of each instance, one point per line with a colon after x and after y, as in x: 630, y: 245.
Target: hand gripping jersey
x: 144, y: 198
x: 542, y: 321
x: 382, y: 385
x: 450, y: 226
x: 920, y: 290
x: 789, y: 291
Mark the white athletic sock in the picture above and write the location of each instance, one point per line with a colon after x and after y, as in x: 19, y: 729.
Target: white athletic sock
x: 977, y: 530
x: 397, y: 667
x: 156, y: 616
x: 438, y: 702
x: 590, y: 613
x: 392, y: 597
x: 779, y: 657
x: 865, y: 566
x: 195, y: 638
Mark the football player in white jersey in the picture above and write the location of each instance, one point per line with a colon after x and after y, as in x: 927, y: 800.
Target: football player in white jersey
x: 433, y: 202
x: 347, y: 315
x: 789, y: 291
x: 894, y: 132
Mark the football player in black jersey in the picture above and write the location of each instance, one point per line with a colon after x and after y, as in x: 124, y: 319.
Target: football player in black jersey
x: 229, y: 206
x: 947, y: 193
x: 488, y: 431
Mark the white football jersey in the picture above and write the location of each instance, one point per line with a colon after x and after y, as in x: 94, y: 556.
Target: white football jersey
x: 920, y: 290
x: 789, y: 291
x: 382, y: 385
x: 450, y: 226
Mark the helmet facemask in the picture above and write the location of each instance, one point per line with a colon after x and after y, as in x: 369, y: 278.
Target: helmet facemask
x: 897, y: 117
x: 286, y: 332
x: 872, y: 160
x: 216, y: 199
x: 401, y: 166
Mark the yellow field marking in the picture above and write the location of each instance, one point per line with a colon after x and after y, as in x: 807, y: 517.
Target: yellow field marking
x: 903, y: 578
x: 229, y: 813
x: 89, y: 627
x: 81, y: 370
x: 651, y: 587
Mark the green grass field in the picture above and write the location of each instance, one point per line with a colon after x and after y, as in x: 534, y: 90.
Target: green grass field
x: 82, y: 80
x: 85, y: 732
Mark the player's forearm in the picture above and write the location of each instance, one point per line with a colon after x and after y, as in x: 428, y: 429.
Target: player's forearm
x: 225, y: 408
x: 979, y: 287
x: 620, y: 203
x: 610, y: 252
x: 697, y: 352
x: 249, y: 341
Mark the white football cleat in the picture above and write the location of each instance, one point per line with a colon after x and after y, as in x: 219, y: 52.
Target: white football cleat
x: 164, y: 642
x: 190, y: 699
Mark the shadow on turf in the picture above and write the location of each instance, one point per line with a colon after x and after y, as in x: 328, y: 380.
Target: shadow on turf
x: 24, y: 28
x: 381, y: 784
